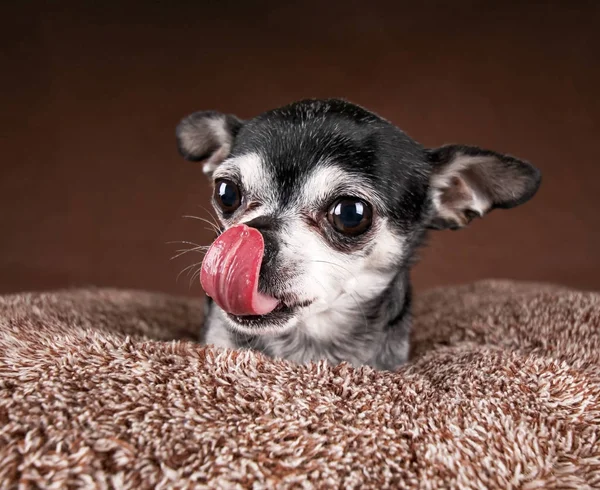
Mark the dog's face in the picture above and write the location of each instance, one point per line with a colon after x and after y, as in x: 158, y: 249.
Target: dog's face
x: 341, y: 197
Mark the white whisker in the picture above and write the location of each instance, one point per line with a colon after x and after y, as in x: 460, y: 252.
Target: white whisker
x: 214, y: 219
x: 187, y: 269
x: 200, y: 249
x: 332, y: 263
x: 360, y: 308
x: 214, y: 227
x: 195, y: 275
x: 184, y: 243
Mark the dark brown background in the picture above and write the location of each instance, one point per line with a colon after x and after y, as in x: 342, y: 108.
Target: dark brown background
x: 92, y: 188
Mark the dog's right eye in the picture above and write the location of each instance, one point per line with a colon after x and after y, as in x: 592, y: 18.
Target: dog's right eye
x: 227, y: 195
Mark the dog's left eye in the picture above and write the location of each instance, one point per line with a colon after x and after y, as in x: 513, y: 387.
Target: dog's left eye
x: 350, y: 216
x: 227, y: 195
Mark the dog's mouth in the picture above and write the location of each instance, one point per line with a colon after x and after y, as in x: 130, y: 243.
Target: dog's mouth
x: 282, y: 314
x: 230, y: 272
x: 230, y: 276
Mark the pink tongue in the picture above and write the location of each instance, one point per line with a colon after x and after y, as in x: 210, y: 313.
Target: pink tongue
x: 230, y: 272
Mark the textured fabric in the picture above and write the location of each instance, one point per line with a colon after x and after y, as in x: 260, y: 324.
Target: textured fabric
x: 503, y: 392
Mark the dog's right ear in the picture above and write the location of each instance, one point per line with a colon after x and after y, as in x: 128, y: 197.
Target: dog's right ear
x: 207, y: 137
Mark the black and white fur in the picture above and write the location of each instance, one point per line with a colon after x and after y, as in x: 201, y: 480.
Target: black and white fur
x: 347, y: 299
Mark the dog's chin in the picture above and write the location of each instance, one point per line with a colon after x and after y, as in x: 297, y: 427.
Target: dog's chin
x: 280, y: 320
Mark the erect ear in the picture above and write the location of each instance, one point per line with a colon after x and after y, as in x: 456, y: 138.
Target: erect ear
x: 468, y: 182
x: 207, y: 137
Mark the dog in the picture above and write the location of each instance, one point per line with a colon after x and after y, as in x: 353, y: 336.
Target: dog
x: 343, y: 199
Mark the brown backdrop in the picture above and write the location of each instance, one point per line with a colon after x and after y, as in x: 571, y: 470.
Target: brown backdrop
x: 92, y: 188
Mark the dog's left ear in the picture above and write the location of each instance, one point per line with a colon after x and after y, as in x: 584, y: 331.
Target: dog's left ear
x: 468, y: 182
x: 207, y: 137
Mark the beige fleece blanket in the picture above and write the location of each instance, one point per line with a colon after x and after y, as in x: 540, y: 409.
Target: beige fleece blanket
x: 503, y: 391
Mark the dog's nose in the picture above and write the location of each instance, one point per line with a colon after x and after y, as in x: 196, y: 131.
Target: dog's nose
x: 264, y: 223
x: 268, y: 227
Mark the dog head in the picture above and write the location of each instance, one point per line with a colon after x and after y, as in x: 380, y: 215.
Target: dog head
x: 341, y: 196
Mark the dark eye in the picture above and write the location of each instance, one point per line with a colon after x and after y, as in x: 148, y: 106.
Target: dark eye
x: 227, y: 195
x: 350, y: 216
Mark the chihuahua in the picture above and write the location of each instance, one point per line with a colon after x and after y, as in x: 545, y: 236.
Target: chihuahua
x: 343, y: 199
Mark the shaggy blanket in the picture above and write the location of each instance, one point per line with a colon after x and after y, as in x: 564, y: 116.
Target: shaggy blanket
x: 503, y: 391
